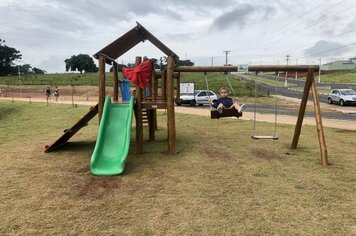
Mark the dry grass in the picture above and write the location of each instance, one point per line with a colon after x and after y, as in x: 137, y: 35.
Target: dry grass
x: 222, y: 182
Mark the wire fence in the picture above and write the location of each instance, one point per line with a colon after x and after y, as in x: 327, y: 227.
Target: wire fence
x: 66, y: 94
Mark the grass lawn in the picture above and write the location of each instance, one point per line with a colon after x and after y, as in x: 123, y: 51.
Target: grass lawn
x: 266, y: 81
x: 215, y: 81
x: 221, y: 182
x: 346, y: 76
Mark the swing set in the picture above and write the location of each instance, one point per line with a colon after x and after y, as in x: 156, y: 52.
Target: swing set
x: 165, y: 100
x: 310, y: 85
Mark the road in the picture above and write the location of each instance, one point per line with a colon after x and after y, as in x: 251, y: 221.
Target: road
x: 328, y: 111
x: 290, y: 92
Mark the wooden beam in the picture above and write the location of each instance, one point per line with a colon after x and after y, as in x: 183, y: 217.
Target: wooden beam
x: 155, y: 41
x: 302, y: 108
x: 116, y: 82
x: 101, y: 86
x: 170, y: 108
x: 138, y: 113
x: 158, y: 74
x: 121, y: 45
x: 319, y: 125
x: 272, y: 68
x: 154, y: 105
x: 108, y: 59
x: 70, y: 132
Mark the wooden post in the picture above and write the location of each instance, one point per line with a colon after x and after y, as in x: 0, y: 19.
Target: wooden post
x: 302, y: 108
x: 138, y: 113
x: 178, y: 87
x: 101, y: 86
x: 163, y: 85
x: 151, y: 112
x: 155, y: 92
x: 170, y: 107
x: 319, y: 125
x: 155, y: 95
x: 116, y: 82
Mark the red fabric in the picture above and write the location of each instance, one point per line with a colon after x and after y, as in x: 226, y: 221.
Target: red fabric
x: 140, y: 75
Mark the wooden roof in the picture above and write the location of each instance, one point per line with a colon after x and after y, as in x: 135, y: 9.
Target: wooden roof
x: 129, y: 40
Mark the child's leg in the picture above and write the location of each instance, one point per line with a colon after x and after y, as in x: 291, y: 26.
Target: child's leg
x: 220, y: 108
x: 236, y: 105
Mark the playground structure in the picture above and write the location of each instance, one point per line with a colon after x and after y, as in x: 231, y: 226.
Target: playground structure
x: 162, y: 93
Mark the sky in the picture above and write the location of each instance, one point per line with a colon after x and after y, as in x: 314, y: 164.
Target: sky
x: 254, y: 32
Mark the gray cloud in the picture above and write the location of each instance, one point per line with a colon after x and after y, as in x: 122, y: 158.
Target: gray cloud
x: 325, y: 48
x: 47, y: 32
x: 238, y: 17
x: 242, y: 15
x: 268, y: 12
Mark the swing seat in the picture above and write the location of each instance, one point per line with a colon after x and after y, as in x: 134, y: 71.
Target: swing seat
x: 264, y: 137
x: 231, y: 112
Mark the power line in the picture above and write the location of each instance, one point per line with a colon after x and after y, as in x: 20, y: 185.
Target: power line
x: 316, y: 24
x: 308, y: 45
x: 333, y: 49
x: 291, y: 22
x: 263, y: 41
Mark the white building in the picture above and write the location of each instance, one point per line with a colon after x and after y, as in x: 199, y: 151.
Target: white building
x: 340, y: 65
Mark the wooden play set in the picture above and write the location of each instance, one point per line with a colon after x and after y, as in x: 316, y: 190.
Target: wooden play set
x: 164, y: 89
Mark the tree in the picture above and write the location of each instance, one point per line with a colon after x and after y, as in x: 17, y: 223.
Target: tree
x: 7, y: 57
x: 25, y: 69
x: 185, y: 63
x: 119, y: 67
x: 81, y: 62
x: 38, y: 71
x: 163, y: 62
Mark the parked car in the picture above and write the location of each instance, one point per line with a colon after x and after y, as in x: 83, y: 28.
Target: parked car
x: 342, y: 96
x: 200, y: 97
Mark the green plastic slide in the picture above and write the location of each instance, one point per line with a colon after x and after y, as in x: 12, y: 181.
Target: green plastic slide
x: 112, y: 144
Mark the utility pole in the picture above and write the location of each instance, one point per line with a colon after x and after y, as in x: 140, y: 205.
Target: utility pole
x: 286, y: 80
x: 319, y: 70
x: 296, y: 73
x: 226, y: 52
x: 212, y: 61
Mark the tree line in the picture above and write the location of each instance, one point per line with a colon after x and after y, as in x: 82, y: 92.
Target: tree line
x: 8, y: 57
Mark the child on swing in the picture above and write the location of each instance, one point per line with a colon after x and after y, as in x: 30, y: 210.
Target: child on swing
x: 224, y: 102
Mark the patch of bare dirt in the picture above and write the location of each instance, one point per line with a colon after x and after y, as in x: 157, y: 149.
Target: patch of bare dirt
x: 215, y: 152
x: 99, y: 187
x: 266, y: 154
